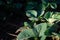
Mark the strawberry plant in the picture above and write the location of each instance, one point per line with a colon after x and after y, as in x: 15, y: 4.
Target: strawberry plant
x: 42, y: 23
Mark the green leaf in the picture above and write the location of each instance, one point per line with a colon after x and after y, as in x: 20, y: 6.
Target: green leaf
x: 51, y: 20
x: 43, y: 37
x: 27, y: 33
x: 48, y: 32
x: 49, y: 24
x: 56, y: 16
x: 53, y: 5
x: 43, y: 29
x: 41, y: 8
x: 38, y: 27
x: 48, y: 15
x: 26, y: 24
x: 51, y: 29
x: 33, y: 19
x: 45, y: 4
x: 31, y: 13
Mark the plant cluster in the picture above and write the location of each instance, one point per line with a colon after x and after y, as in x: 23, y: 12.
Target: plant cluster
x: 42, y: 23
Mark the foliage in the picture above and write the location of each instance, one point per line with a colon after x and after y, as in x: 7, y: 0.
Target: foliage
x: 48, y: 22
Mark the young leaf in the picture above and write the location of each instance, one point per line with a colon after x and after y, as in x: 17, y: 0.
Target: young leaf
x: 26, y: 24
x: 27, y: 33
x: 31, y: 13
x: 56, y: 16
x: 51, y: 20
